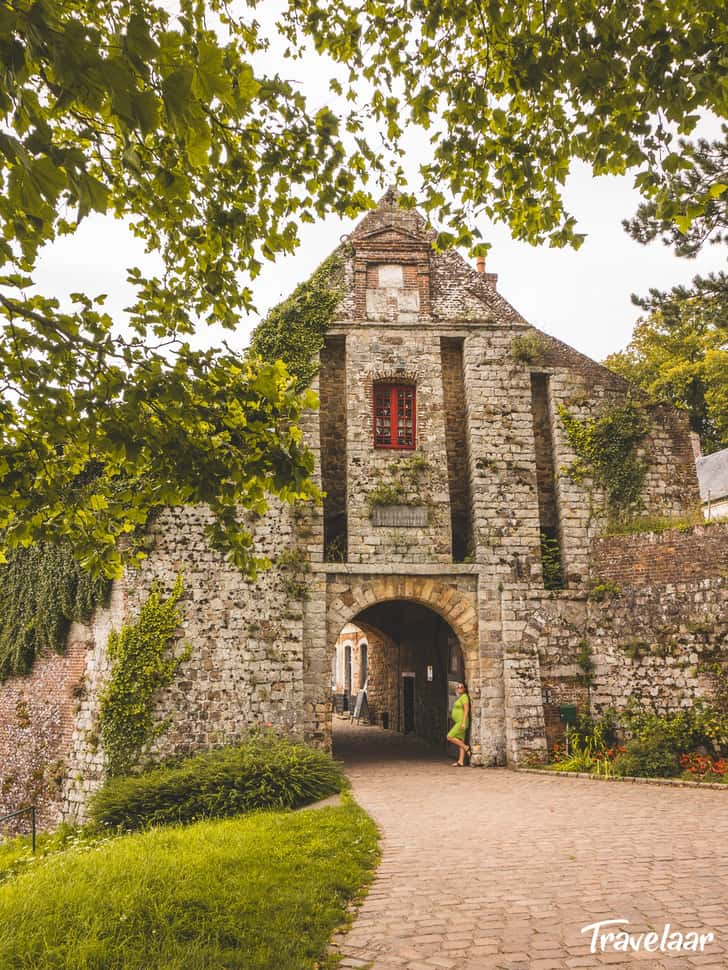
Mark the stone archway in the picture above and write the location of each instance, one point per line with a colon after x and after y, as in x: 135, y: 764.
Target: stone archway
x: 346, y: 595
x: 454, y: 602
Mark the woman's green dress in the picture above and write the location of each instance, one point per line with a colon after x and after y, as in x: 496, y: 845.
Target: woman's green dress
x: 462, y: 723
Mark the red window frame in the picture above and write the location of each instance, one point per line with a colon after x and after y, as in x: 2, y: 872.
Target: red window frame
x: 395, y: 416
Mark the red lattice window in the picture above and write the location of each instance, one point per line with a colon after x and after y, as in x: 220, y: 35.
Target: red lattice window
x: 394, y: 415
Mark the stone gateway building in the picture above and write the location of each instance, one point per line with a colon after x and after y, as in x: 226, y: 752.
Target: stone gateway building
x: 474, y: 470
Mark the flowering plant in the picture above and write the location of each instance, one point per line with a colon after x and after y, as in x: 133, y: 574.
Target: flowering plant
x: 702, y: 767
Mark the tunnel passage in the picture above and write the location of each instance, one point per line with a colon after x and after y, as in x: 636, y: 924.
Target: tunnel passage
x: 410, y: 661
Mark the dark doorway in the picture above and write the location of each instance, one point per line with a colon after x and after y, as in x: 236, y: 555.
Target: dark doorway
x: 409, y: 704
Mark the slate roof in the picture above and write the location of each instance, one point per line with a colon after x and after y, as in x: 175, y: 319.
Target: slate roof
x: 713, y: 475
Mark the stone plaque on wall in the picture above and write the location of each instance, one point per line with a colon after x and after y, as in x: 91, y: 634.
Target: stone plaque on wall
x: 401, y: 516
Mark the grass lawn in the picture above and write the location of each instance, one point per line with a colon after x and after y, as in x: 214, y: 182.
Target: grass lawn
x: 258, y: 892
x: 16, y: 854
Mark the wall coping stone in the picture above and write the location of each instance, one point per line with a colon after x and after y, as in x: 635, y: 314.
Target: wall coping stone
x: 665, y: 782
x: 664, y: 536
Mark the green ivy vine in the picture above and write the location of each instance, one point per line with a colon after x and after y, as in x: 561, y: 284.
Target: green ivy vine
x: 140, y: 666
x: 42, y: 591
x: 551, y: 564
x: 606, y: 449
x: 294, y: 330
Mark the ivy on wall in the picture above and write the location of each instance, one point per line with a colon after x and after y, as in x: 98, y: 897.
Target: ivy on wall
x: 551, y: 563
x: 42, y: 590
x: 606, y: 449
x: 294, y: 330
x: 141, y: 665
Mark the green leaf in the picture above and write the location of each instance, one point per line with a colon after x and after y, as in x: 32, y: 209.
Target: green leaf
x: 248, y: 87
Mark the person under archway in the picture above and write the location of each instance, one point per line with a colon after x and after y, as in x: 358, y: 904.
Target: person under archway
x: 458, y: 733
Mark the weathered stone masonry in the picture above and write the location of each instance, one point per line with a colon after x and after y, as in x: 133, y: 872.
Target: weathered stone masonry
x: 459, y: 544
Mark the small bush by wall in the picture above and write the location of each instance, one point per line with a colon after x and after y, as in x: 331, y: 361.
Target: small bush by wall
x: 262, y: 773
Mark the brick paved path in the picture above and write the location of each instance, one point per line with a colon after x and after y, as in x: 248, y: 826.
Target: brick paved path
x: 486, y: 869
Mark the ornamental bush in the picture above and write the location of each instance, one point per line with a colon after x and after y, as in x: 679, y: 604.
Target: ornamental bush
x: 653, y: 757
x: 262, y: 773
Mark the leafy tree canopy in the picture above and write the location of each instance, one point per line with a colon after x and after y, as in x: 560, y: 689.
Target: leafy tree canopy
x: 122, y: 107
x: 513, y: 92
x: 674, y: 214
x: 119, y: 107
x: 679, y: 350
x: 679, y: 354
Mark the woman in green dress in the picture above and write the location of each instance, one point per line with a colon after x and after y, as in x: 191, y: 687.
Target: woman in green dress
x: 458, y: 732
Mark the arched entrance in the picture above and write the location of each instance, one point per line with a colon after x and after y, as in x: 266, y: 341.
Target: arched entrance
x: 413, y: 661
x: 342, y: 596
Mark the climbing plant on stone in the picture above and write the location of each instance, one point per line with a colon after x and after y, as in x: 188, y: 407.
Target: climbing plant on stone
x: 141, y: 665
x: 294, y: 330
x: 403, y: 483
x: 42, y: 590
x: 607, y: 450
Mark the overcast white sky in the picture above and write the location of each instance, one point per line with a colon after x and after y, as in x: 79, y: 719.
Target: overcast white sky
x: 581, y: 297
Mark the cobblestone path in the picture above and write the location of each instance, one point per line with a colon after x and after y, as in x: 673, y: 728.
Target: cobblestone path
x: 488, y: 868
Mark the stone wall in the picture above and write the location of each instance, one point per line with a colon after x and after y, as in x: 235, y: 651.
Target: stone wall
x: 383, y: 696
x: 658, y: 609
x: 586, y: 389
x: 245, y: 668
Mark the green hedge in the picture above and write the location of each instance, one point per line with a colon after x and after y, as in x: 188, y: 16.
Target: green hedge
x: 263, y: 773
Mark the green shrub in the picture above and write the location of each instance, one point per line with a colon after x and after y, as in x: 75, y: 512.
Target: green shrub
x: 527, y: 348
x: 253, y: 893
x: 263, y: 773
x: 651, y: 758
x: 699, y: 726
x: 659, y: 740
